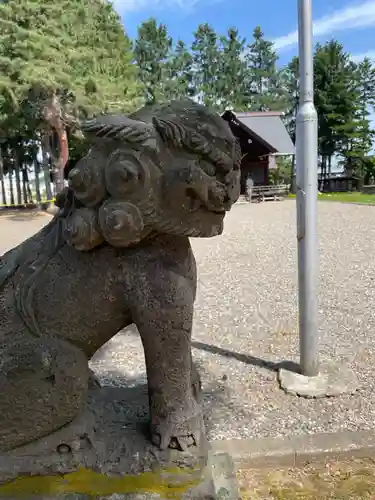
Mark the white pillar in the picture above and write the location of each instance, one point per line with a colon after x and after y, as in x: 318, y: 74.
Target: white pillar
x: 307, y: 191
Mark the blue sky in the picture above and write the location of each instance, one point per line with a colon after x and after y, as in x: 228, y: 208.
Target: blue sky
x: 351, y: 22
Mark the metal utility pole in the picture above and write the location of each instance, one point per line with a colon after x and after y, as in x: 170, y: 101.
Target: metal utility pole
x: 307, y: 191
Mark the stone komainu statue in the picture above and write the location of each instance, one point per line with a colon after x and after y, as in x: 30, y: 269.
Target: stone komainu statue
x: 117, y: 253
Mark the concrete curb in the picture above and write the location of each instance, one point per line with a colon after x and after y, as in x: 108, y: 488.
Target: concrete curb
x: 356, y: 203
x: 296, y: 451
x: 223, y: 472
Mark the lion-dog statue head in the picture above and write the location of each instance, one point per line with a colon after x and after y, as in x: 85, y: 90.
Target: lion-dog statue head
x: 169, y: 168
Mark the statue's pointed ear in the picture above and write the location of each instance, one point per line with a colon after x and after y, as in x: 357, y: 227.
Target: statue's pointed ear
x: 118, y: 127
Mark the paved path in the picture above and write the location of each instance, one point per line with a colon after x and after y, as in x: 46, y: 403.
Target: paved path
x: 246, y: 320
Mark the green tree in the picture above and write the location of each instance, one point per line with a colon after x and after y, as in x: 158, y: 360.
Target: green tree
x: 61, y: 61
x: 366, y: 84
x: 206, y: 59
x: 2, y: 180
x: 366, y: 103
x: 369, y: 169
x: 180, y: 80
x: 283, y: 173
x: 264, y: 90
x: 289, y: 78
x: 231, y: 81
x: 152, y: 50
x: 336, y: 101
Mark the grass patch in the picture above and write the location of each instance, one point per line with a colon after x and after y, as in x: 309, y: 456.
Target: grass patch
x: 345, y: 480
x: 361, y: 198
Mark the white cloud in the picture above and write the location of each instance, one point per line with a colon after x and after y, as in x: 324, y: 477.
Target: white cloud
x: 353, y: 16
x: 125, y: 6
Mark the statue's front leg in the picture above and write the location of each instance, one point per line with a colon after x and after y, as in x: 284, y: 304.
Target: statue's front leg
x: 165, y: 326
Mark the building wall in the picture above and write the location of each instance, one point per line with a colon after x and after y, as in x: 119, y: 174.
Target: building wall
x: 258, y: 170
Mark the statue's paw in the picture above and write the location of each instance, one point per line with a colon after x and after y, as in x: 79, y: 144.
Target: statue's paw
x: 180, y: 432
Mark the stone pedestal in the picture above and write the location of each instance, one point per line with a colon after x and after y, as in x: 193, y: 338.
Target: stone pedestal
x: 333, y: 380
x: 105, y: 454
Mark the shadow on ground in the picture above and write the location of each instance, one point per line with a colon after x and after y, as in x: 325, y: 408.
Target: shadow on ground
x: 133, y: 391
x: 247, y: 358
x: 220, y: 408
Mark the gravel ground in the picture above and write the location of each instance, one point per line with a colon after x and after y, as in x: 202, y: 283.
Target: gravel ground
x: 246, y: 321
x: 16, y: 226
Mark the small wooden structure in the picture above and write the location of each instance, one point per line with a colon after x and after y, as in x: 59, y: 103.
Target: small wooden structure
x: 263, y: 137
x: 336, y: 184
x: 265, y: 193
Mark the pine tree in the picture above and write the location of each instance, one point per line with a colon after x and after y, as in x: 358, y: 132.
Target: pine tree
x: 180, y: 78
x: 77, y: 45
x: 358, y: 135
x: 289, y: 78
x: 59, y: 61
x: 264, y: 90
x: 152, y: 51
x: 342, y: 126
x: 366, y: 84
x: 231, y: 83
x: 366, y: 101
x: 206, y: 59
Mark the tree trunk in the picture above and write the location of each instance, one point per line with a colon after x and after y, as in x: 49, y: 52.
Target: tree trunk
x: 349, y: 167
x: 61, y: 159
x: 322, y: 173
x: 27, y: 194
x: 37, y: 180
x: 53, y: 116
x: 28, y: 187
x: 46, y: 166
x: 24, y: 185
x: 11, y: 188
x: 18, y: 177
x: 3, y: 193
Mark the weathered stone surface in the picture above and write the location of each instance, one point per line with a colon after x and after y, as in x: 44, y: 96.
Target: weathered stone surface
x: 333, y: 380
x: 117, y: 253
x: 108, y: 445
